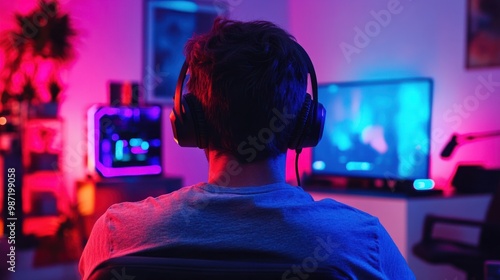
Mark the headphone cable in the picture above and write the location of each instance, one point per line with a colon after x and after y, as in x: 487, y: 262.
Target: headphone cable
x: 297, y: 153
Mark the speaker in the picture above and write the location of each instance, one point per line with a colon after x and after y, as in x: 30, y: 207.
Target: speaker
x: 190, y: 129
x: 475, y: 179
x: 124, y: 93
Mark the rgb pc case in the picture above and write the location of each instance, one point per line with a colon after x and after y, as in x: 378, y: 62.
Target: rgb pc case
x: 125, y: 141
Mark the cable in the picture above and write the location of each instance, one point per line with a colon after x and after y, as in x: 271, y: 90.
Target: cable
x: 297, y: 153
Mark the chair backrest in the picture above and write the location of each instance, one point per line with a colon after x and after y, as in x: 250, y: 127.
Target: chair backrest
x: 489, y: 235
x: 140, y: 267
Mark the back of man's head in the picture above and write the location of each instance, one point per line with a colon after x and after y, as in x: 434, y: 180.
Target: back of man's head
x: 251, y: 79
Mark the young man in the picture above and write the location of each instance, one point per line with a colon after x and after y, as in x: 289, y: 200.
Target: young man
x: 249, y: 79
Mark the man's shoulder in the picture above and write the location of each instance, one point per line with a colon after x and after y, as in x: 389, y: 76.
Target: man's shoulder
x: 332, y: 208
x: 342, y: 222
x: 150, y: 204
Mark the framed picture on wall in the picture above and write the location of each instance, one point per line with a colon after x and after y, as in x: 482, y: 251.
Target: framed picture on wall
x: 483, y: 33
x: 167, y: 27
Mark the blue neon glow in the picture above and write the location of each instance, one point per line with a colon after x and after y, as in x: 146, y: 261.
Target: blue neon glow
x: 145, y: 145
x: 182, y: 6
x: 423, y: 184
x: 141, y: 157
x: 126, y: 157
x: 319, y: 165
x: 333, y: 88
x: 360, y: 166
x: 119, y: 150
x: 134, y: 142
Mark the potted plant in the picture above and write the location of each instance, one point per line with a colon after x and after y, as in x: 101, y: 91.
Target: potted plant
x: 36, y: 50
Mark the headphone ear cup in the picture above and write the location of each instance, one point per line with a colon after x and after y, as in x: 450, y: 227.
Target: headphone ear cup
x: 314, y: 129
x: 198, y: 119
x: 182, y: 124
x: 309, y: 127
x: 300, y: 125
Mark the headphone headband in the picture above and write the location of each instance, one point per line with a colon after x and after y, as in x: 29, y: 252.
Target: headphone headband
x: 312, y: 72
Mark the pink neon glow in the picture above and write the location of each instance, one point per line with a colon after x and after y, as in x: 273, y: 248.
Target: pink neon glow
x: 128, y: 171
x: 138, y: 150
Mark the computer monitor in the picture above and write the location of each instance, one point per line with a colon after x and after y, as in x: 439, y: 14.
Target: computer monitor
x: 125, y: 141
x: 376, y: 129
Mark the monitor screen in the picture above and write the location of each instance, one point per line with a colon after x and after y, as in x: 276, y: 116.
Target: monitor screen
x: 125, y: 141
x: 377, y: 129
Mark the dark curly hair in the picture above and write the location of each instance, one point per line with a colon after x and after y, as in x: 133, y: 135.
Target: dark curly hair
x: 251, y: 79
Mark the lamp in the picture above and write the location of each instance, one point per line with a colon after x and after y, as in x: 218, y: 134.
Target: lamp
x: 457, y: 140
x: 471, y: 178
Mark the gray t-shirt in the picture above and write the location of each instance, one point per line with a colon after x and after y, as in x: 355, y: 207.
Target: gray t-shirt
x: 276, y: 221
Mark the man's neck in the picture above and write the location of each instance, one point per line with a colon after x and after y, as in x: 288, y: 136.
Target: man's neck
x: 225, y: 170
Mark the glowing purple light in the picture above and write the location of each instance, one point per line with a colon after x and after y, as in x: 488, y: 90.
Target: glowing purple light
x: 127, y: 112
x: 104, y: 164
x: 138, y: 150
x: 154, y: 113
x: 107, y: 160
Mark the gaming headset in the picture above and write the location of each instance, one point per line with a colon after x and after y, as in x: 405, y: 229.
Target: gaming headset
x: 190, y: 128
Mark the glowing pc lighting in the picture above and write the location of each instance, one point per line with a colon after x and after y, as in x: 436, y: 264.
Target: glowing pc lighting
x: 111, y: 152
x: 119, y: 150
x: 423, y: 184
x: 358, y: 165
x: 134, y: 142
x: 181, y: 6
x: 319, y: 165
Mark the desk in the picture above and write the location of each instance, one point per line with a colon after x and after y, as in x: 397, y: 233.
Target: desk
x: 403, y: 218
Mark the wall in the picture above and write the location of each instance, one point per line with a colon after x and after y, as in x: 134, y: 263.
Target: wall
x: 421, y: 39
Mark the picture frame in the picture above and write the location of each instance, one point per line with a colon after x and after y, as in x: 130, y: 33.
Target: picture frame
x: 167, y: 27
x: 483, y: 33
